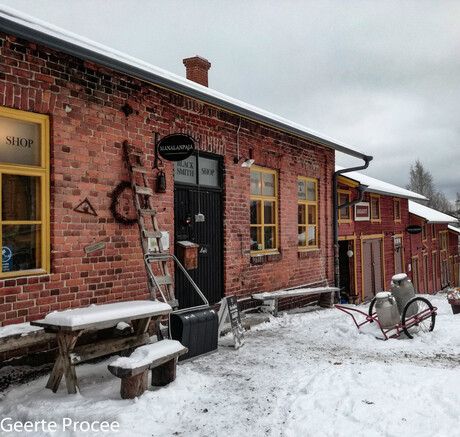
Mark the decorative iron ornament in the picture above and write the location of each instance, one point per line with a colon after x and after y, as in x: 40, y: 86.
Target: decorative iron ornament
x: 114, y: 206
x: 85, y: 207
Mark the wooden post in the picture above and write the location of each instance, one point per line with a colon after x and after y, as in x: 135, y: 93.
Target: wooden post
x: 165, y: 373
x: 134, y: 386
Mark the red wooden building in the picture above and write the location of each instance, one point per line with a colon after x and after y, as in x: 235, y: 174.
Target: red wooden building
x: 434, y: 252
x: 375, y: 241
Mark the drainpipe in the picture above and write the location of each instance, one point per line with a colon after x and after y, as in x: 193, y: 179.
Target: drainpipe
x: 361, y: 189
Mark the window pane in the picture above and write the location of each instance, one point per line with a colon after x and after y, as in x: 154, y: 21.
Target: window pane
x: 312, y: 214
x: 311, y: 190
x: 209, y: 172
x: 19, y: 142
x: 269, y: 237
x: 256, y: 218
x: 269, y: 184
x: 20, y: 197
x: 185, y: 170
x: 269, y: 213
x: 312, y: 235
x: 302, y: 238
x: 256, y: 182
x: 20, y: 247
x: 256, y: 238
x: 302, y: 217
x: 301, y: 189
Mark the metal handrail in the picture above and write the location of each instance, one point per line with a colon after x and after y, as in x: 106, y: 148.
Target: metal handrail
x: 148, y: 257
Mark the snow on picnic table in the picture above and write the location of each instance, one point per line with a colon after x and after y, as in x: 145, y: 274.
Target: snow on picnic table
x: 308, y: 374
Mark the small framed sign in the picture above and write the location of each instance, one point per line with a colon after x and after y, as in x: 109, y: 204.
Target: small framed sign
x: 229, y: 311
x: 362, y: 212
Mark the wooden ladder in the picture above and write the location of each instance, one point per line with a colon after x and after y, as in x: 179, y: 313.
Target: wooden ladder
x: 146, y: 218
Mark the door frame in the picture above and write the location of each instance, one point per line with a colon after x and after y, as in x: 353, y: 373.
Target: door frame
x: 372, y: 237
x: 197, y: 187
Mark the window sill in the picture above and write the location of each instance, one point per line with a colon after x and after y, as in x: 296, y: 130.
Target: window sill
x: 305, y: 253
x: 266, y: 257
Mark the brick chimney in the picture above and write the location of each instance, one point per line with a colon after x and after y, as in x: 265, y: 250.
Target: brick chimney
x: 197, y: 69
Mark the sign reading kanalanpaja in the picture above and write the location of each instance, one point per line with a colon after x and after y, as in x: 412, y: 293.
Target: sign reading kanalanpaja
x: 19, y: 142
x: 176, y: 147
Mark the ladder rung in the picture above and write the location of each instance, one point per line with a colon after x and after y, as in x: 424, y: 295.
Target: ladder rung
x: 139, y: 169
x: 136, y: 152
x: 164, y: 280
x: 152, y: 234
x: 151, y: 212
x: 143, y: 190
x: 159, y: 258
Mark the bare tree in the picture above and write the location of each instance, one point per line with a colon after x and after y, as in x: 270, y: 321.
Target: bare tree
x: 421, y: 182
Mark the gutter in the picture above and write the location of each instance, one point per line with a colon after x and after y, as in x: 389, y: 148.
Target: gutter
x: 361, y: 189
x: 26, y: 31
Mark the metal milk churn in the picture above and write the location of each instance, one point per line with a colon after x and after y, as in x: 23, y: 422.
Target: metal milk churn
x: 403, y: 291
x: 387, y: 309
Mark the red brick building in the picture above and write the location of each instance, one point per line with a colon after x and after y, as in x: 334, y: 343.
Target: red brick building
x: 67, y: 106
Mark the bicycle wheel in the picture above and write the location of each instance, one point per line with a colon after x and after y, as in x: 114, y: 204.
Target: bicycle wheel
x: 371, y: 308
x: 418, y: 315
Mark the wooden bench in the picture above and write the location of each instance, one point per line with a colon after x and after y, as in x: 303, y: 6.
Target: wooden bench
x: 160, y: 357
x: 270, y: 299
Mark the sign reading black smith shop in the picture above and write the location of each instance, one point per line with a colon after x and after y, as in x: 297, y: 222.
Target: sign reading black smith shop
x: 176, y: 147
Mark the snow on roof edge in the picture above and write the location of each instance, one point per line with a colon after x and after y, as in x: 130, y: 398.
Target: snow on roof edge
x: 54, y: 32
x: 380, y: 187
x: 430, y: 214
x: 453, y: 228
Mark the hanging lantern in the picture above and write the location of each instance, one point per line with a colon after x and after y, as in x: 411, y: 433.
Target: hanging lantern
x: 161, y: 182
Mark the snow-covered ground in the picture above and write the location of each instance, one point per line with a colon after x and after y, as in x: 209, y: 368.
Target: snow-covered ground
x: 305, y: 374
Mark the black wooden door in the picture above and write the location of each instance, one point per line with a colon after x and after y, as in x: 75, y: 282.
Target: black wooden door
x: 188, y: 202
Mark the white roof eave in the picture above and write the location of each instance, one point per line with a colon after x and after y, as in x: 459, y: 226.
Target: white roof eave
x: 30, y: 28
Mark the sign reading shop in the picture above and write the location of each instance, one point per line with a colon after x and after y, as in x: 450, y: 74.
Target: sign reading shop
x: 19, y: 142
x: 176, y: 147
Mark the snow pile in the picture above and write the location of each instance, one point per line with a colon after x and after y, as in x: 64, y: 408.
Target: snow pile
x: 147, y: 354
x: 106, y: 312
x: 312, y: 374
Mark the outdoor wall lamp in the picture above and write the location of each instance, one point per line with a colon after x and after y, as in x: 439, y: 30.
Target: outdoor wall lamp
x: 246, y: 163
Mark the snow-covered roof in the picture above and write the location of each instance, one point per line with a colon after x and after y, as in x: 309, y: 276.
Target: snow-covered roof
x: 430, y: 214
x: 380, y: 187
x: 453, y: 228
x: 28, y: 27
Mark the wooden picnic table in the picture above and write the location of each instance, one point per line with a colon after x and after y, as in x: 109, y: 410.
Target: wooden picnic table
x: 69, y: 325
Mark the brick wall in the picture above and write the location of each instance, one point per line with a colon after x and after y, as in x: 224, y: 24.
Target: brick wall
x: 88, y: 128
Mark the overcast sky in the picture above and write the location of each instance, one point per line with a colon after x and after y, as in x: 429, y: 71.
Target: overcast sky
x: 382, y: 76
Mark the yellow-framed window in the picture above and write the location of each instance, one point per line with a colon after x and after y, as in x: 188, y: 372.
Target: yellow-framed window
x: 423, y: 231
x: 344, y: 213
x: 433, y: 231
x: 264, y: 210
x: 375, y: 207
x: 397, y: 210
x: 24, y: 193
x: 443, y: 240
x: 307, y: 207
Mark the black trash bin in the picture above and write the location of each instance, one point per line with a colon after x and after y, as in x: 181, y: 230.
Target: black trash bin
x: 196, y: 330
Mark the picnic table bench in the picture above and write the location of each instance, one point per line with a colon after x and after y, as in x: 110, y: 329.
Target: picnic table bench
x: 271, y: 298
x: 160, y: 358
x: 69, y: 325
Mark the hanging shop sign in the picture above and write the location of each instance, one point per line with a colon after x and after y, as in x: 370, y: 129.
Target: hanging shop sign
x: 362, y: 211
x: 414, y: 229
x: 176, y: 147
